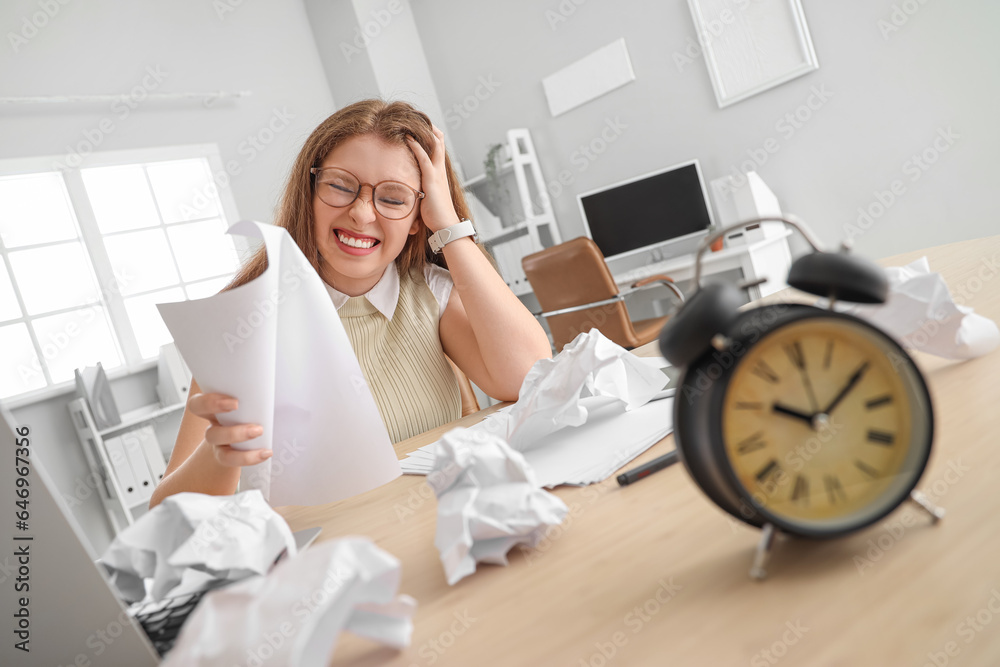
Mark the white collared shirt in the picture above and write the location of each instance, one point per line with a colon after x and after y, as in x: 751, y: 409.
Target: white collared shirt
x: 385, y: 294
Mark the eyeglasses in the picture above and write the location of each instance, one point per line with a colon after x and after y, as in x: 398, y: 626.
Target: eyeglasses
x: 339, y: 188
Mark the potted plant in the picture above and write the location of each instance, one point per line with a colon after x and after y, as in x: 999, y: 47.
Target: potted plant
x: 497, y: 193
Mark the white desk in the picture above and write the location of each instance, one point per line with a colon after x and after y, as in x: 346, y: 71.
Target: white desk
x: 768, y: 259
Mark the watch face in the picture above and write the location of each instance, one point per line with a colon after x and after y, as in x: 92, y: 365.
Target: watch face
x: 826, y: 424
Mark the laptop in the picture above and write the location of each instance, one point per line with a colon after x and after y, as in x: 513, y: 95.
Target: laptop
x: 58, y: 606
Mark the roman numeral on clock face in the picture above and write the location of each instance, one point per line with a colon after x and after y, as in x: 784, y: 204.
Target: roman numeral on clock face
x: 878, y: 401
x: 834, y: 489
x: 800, y: 492
x: 771, y: 468
x: 794, y: 352
x: 866, y: 469
x: 752, y: 444
x: 881, y: 437
x: 765, y: 372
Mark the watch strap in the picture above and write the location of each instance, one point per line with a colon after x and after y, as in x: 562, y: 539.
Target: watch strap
x: 439, y: 239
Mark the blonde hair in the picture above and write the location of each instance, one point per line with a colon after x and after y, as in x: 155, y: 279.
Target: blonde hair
x: 392, y: 122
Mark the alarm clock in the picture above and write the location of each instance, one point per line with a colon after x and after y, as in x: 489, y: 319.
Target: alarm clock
x: 794, y: 418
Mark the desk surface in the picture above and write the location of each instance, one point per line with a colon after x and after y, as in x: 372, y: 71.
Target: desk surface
x: 655, y: 574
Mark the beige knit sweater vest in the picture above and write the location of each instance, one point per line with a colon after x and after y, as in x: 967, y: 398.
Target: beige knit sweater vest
x: 403, y: 361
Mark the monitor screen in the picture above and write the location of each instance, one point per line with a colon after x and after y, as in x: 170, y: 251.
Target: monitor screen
x: 647, y: 211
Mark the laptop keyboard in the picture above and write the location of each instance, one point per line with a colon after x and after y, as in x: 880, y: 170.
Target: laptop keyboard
x: 162, y: 620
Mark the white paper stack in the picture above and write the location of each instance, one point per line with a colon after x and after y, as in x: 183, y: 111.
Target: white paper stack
x: 580, y: 416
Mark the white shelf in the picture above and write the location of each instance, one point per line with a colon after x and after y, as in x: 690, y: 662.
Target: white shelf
x: 476, y: 180
x: 143, y: 414
x: 516, y: 230
x: 536, y: 228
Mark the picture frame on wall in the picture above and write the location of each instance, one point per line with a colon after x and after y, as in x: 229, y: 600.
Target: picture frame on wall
x: 752, y: 45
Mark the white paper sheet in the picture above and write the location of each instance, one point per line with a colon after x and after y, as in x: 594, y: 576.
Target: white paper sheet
x: 220, y: 538
x: 580, y: 416
x: 488, y: 502
x: 295, y: 615
x: 278, y: 346
x: 583, y: 454
x: 921, y: 314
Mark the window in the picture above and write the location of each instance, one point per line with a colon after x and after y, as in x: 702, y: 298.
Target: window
x: 88, y: 252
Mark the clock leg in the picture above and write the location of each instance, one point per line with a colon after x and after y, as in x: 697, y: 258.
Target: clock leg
x: 924, y: 503
x: 758, y: 570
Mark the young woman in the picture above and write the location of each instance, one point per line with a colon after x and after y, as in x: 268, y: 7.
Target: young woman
x: 369, y: 188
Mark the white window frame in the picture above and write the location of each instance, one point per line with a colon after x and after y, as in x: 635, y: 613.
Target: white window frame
x: 91, y: 236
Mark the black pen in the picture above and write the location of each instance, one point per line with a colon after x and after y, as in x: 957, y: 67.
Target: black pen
x: 648, y: 469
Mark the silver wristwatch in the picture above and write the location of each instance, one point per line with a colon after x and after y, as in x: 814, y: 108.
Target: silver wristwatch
x: 439, y: 239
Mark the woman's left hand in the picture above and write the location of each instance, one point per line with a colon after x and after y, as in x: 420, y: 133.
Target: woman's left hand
x: 437, y: 209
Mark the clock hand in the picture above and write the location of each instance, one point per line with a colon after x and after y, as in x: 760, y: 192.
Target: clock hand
x: 809, y: 391
x: 781, y: 409
x: 850, y: 385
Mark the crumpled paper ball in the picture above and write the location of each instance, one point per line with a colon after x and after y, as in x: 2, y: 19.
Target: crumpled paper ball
x: 225, y: 538
x: 294, y: 615
x: 488, y: 502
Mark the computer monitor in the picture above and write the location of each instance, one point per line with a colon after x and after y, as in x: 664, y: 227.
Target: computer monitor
x: 666, y: 211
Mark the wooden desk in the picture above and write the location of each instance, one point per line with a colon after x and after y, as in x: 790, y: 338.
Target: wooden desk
x: 655, y: 574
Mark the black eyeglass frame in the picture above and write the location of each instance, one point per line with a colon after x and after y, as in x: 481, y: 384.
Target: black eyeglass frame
x: 419, y: 195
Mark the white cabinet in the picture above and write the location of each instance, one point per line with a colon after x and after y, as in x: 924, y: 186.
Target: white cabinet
x: 534, y: 226
x: 125, y: 459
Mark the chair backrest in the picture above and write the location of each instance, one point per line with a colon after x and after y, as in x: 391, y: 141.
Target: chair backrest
x: 470, y: 403
x: 574, y: 273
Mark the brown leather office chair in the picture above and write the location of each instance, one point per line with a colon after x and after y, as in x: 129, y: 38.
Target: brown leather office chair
x: 577, y: 293
x: 470, y: 403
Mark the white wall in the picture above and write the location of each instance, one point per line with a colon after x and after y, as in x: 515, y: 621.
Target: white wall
x: 108, y: 46
x: 371, y: 48
x: 889, y: 97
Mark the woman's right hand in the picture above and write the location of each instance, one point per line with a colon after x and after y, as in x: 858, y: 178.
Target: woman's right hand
x: 220, y: 437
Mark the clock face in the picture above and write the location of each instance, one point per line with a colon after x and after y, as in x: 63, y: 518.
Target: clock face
x: 826, y: 424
